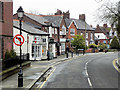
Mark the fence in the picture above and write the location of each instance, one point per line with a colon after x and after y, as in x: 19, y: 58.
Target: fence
x: 14, y: 61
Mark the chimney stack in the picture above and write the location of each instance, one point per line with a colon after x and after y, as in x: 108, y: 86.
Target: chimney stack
x: 82, y: 17
x: 105, y: 25
x: 59, y: 12
x: 66, y: 14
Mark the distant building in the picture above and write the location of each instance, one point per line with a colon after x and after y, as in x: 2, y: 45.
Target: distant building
x: 104, y: 34
x: 52, y: 24
x: 80, y: 27
x: 36, y: 41
x: 6, y: 27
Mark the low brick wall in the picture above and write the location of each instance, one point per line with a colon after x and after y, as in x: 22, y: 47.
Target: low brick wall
x: 91, y: 50
x: 6, y: 73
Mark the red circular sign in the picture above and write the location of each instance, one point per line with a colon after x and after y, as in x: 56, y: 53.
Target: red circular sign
x: 18, y: 38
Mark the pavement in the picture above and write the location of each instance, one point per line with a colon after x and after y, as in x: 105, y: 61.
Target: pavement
x: 34, y: 72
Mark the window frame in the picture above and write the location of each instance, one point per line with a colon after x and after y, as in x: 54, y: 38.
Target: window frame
x: 72, y: 31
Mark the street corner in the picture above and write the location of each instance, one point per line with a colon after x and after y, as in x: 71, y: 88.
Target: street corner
x: 115, y: 65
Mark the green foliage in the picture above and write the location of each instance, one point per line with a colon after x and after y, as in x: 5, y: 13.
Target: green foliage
x: 78, y: 42
x: 102, y: 46
x: 10, y: 54
x: 7, y: 54
x: 92, y: 46
x: 114, y: 44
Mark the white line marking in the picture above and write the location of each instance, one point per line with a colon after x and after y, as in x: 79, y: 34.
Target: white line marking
x: 88, y: 79
x: 89, y: 82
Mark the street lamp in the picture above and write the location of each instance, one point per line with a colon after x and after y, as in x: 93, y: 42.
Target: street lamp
x: 67, y: 48
x: 20, y: 14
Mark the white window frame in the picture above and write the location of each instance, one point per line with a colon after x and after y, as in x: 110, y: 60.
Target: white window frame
x: 55, y: 30
x: 86, y: 34
x: 91, y: 36
x: 73, y: 32
x: 62, y: 46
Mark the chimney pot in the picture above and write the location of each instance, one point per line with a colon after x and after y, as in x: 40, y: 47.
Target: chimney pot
x: 82, y: 17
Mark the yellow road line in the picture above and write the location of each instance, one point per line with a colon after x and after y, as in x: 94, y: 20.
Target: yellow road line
x: 46, y: 79
x: 53, y: 71
x: 114, y: 64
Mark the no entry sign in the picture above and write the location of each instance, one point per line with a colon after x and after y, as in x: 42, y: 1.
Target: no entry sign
x: 18, y: 40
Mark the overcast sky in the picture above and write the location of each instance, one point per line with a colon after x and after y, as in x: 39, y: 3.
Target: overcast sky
x: 76, y: 7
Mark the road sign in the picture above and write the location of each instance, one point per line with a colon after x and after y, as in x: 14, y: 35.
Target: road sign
x: 18, y: 40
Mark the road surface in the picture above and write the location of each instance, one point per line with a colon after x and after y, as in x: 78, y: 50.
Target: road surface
x: 90, y: 71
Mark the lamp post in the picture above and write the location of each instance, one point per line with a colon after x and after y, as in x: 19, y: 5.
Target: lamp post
x: 67, y: 48
x: 85, y: 38
x: 20, y: 14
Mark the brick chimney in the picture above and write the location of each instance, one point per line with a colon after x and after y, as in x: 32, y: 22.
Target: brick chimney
x: 82, y: 17
x: 66, y: 14
x: 97, y: 26
x: 105, y: 25
x: 91, y: 26
x: 59, y: 12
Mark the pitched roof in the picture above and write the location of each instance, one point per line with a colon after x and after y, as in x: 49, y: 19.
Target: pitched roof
x: 27, y: 27
x: 79, y: 23
x: 104, y: 31
x: 37, y: 18
x: 55, y: 20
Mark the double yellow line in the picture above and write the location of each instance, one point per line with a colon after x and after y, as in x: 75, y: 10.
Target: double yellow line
x: 40, y: 86
x: 54, y: 68
x: 115, y: 66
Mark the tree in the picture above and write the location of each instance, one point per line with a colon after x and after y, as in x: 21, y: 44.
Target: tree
x: 114, y: 44
x: 111, y: 14
x: 78, y: 42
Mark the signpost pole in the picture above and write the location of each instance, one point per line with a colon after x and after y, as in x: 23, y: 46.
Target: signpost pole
x: 20, y: 13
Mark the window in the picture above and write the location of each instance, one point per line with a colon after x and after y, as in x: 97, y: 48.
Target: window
x: 55, y: 31
x: 115, y: 33
x: 37, y: 38
x: 36, y: 51
x: 86, y: 35
x: 62, y: 46
x: 104, y: 41
x: 63, y: 31
x: 43, y: 38
x: 81, y: 33
x: 98, y: 36
x: 1, y: 11
x: 52, y: 30
x: 72, y: 32
x: 91, y: 35
x: 44, y: 50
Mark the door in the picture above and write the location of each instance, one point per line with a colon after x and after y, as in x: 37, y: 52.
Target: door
x: 36, y: 52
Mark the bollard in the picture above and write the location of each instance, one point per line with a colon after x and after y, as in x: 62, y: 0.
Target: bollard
x: 67, y: 55
x: 71, y: 54
x: 20, y: 78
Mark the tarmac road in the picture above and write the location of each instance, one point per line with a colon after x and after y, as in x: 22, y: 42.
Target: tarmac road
x: 90, y: 71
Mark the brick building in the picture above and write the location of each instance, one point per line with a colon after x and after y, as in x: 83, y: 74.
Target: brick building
x: 6, y: 27
x: 104, y: 34
x: 79, y: 26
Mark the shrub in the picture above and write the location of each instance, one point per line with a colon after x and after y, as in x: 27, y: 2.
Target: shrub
x: 10, y: 54
x: 102, y: 46
x: 114, y: 44
x: 92, y: 46
x: 7, y: 54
